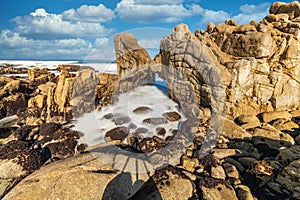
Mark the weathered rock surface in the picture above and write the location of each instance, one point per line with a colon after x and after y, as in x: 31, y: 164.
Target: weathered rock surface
x: 81, y: 177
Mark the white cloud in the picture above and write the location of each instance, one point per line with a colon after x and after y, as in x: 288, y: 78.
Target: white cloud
x: 252, y: 12
x: 158, y: 2
x: 149, y: 44
x: 15, y: 46
x: 213, y: 16
x: 156, y: 11
x: 89, y: 14
x: 103, y: 50
x: 248, y: 13
x: 40, y: 24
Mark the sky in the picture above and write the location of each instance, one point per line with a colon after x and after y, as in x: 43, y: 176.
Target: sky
x: 84, y: 29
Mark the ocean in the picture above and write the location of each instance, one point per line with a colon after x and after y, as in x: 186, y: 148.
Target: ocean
x: 52, y: 65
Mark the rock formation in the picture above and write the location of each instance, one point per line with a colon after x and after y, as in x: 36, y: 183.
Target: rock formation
x: 251, y: 70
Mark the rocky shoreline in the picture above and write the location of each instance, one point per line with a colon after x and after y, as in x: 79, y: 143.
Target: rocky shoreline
x: 248, y: 74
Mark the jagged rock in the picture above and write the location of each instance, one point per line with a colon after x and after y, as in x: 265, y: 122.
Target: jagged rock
x: 233, y: 131
x: 36, y: 72
x: 45, y: 87
x: 129, y: 53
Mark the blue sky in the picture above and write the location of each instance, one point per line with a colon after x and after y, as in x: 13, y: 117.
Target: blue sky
x: 81, y: 29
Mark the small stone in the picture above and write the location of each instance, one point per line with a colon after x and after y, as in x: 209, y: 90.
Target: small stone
x: 161, y: 131
x: 155, y: 121
x: 132, y: 126
x: 218, y: 172
x: 231, y: 170
x: 243, y: 192
x: 118, y: 133
x: 188, y: 163
x: 141, y: 130
x: 142, y: 110
x: 172, y: 116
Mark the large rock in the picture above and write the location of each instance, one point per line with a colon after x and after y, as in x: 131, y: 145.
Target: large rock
x: 86, y: 176
x: 129, y: 53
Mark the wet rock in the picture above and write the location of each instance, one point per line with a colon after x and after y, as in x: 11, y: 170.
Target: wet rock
x: 121, y: 119
x: 172, y: 116
x: 153, y: 144
x: 247, y: 161
x: 118, y: 133
x: 161, y: 131
x: 243, y: 192
x: 155, y: 121
x: 141, y: 130
x: 287, y: 155
x: 289, y: 178
x: 167, y: 183
x: 142, y: 110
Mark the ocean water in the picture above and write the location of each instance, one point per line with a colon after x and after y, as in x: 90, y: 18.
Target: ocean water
x: 52, y: 65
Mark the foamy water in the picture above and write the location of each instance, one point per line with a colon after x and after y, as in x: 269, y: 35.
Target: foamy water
x: 94, y: 126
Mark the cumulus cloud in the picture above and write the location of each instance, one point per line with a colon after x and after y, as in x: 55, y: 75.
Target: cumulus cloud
x: 15, y: 46
x: 252, y: 12
x: 43, y: 25
x: 89, y: 14
x: 151, y: 12
x: 103, y: 50
x: 248, y: 13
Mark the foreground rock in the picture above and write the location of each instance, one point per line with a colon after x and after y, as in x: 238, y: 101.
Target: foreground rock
x: 80, y: 177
